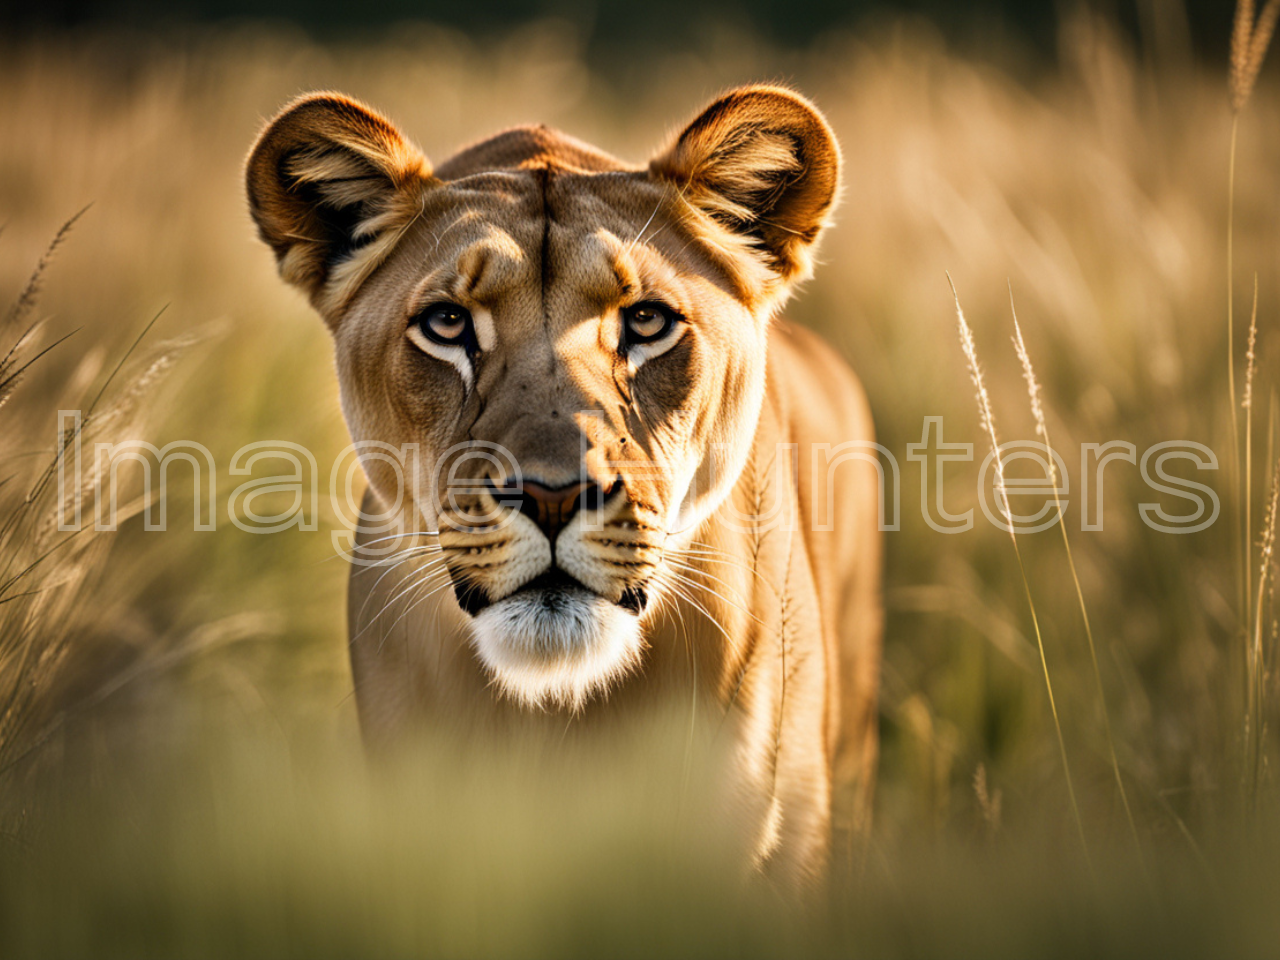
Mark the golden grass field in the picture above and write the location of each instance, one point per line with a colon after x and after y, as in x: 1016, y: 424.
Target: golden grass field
x: 180, y: 772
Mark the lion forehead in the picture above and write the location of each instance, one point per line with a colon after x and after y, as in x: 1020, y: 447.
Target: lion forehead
x: 529, y: 147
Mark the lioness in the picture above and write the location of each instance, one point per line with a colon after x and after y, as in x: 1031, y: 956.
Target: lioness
x: 631, y: 481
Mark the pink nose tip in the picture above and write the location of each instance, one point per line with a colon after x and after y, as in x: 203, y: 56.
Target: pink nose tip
x: 553, y: 507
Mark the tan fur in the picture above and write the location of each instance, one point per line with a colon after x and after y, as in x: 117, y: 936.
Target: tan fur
x: 709, y: 447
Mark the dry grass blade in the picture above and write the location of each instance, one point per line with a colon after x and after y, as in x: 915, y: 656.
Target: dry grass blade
x: 9, y: 379
x: 11, y: 357
x: 1042, y: 430
x: 989, y: 801
x: 31, y: 292
x: 1247, y: 404
x: 1249, y: 43
x: 43, y: 579
x: 989, y: 427
x: 1255, y: 667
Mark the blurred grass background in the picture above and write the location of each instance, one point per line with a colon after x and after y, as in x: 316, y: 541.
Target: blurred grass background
x: 187, y: 778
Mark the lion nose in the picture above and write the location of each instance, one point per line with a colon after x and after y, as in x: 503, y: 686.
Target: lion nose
x: 553, y: 507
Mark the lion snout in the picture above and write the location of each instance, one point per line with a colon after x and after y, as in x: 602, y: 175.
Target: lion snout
x: 552, y: 507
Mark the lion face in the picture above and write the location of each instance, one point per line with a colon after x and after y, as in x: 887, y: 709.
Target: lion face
x: 574, y: 349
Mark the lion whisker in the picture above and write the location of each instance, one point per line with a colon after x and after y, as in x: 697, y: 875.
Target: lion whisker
x: 711, y: 555
x: 431, y: 571
x: 406, y: 555
x: 394, y: 559
x: 677, y: 587
x: 414, y: 605
x: 399, y: 536
x: 714, y: 593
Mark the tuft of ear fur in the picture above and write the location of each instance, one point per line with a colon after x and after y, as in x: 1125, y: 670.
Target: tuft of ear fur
x: 763, y: 163
x: 332, y: 185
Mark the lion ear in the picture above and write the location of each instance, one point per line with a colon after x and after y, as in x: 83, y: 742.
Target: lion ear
x: 330, y: 183
x: 763, y: 162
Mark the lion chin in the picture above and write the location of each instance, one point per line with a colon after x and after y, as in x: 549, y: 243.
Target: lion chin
x: 556, y: 646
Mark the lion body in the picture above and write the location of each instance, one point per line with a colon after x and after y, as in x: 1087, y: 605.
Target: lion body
x: 752, y: 548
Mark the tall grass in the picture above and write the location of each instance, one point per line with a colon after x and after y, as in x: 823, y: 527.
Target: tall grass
x: 210, y: 795
x: 50, y: 575
x: 1246, y: 404
x: 1042, y: 431
x: 1249, y: 43
x: 1257, y: 665
x: 987, y: 419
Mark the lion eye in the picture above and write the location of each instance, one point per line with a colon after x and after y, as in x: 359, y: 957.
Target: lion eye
x: 647, y: 322
x: 446, y: 324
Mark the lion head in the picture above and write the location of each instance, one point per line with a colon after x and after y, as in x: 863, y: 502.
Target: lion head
x: 575, y: 347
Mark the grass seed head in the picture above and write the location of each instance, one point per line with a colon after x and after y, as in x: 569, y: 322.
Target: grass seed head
x: 1251, y: 355
x: 985, y: 416
x: 1033, y: 387
x: 1249, y: 42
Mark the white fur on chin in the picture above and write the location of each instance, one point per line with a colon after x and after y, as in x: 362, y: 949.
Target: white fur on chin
x: 556, y: 648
